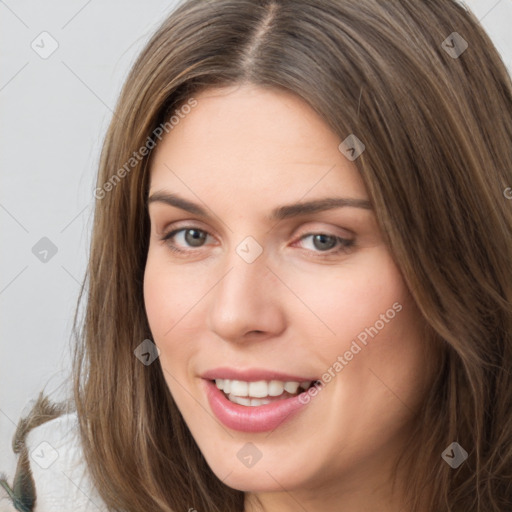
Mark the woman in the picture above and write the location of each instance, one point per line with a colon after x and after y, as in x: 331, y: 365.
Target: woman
x: 299, y: 288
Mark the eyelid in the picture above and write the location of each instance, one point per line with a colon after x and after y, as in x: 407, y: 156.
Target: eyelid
x: 167, y: 235
x: 319, y: 227
x: 343, y: 244
x: 184, y: 224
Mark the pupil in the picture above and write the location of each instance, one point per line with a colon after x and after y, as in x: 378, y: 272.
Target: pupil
x: 194, y: 237
x: 324, y: 242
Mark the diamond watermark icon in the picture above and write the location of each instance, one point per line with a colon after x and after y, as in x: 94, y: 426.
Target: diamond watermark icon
x: 146, y: 352
x: 44, y: 250
x: 44, y: 455
x: 352, y: 147
x: 44, y: 45
x: 249, y: 455
x: 454, y: 455
x: 454, y: 45
x: 249, y: 249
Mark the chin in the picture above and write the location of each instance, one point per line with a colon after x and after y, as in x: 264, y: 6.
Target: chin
x: 267, y: 474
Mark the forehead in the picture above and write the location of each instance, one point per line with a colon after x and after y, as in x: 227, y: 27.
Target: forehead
x: 251, y: 143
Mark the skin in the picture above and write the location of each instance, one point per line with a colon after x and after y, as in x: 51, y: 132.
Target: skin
x: 241, y: 152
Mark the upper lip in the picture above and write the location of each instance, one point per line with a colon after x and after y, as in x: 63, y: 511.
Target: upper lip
x: 253, y: 375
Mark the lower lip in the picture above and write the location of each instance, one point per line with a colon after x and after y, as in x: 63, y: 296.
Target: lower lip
x: 261, y: 418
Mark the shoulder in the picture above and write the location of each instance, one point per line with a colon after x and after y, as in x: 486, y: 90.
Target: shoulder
x: 58, y: 468
x: 55, y: 465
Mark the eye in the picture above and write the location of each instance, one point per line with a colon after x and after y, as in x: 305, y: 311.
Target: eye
x: 323, y: 242
x: 185, y: 237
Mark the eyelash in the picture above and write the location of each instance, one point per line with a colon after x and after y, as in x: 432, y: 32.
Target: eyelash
x: 344, y: 244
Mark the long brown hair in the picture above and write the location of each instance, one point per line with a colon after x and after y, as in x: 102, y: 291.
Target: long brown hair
x: 436, y: 119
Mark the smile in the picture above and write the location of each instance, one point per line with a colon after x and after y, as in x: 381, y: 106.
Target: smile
x: 256, y: 401
x: 261, y: 392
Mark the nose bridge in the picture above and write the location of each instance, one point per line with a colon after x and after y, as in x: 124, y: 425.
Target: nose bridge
x: 247, y: 263
x: 242, y: 300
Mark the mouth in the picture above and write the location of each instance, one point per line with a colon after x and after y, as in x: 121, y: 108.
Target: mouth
x: 261, y: 392
x: 256, y: 405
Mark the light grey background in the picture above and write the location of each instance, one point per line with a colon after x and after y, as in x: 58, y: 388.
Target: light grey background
x: 54, y: 114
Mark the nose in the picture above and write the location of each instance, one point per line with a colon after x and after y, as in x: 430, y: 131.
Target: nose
x: 245, y: 304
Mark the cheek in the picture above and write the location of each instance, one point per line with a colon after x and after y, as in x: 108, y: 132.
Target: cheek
x: 169, y: 293
x: 365, y: 314
x: 350, y: 297
x: 171, y: 298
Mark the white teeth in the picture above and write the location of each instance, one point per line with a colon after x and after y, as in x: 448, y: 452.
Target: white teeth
x: 275, y: 388
x: 291, y: 387
x: 239, y: 399
x: 260, y: 388
x: 249, y: 402
x: 258, y: 401
x: 239, y: 388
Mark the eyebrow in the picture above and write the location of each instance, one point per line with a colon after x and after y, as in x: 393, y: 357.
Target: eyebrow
x: 279, y: 213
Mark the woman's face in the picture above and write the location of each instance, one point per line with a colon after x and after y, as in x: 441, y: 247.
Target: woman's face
x: 266, y: 270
